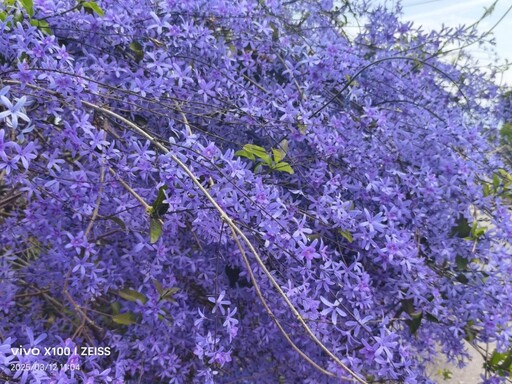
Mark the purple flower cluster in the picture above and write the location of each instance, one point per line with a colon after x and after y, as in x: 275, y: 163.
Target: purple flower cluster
x: 241, y: 191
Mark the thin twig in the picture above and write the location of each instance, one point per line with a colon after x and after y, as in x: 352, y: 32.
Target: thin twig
x: 269, y: 311
x: 98, y: 200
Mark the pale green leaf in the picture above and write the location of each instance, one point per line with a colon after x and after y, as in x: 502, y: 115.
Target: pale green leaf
x: 155, y: 230
x: 29, y: 6
x: 256, y: 150
x: 159, y: 199
x: 94, y: 7
x: 127, y: 318
x: 168, y: 294
x: 266, y: 159
x: 116, y: 307
x: 283, y: 167
x: 137, y: 50
x: 132, y: 295
x: 118, y: 221
x: 302, y: 127
x: 42, y: 25
x: 283, y: 145
x: 244, y: 153
x: 279, y: 154
x: 347, y: 235
x: 158, y: 286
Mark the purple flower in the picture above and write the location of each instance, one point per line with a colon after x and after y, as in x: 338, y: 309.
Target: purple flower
x: 26, y: 154
x: 206, y: 89
x: 81, y: 265
x: 30, y: 334
x: 301, y: 231
x: 373, y: 223
x: 4, y: 145
x: 14, y: 111
x: 385, y: 344
x: 357, y: 323
x: 333, y: 309
x: 182, y: 75
x: 308, y: 252
x: 219, y: 302
x: 77, y: 242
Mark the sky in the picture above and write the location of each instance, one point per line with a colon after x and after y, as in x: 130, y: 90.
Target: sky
x: 432, y: 14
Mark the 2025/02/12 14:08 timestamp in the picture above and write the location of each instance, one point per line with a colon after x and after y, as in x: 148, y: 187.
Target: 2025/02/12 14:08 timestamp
x: 14, y: 367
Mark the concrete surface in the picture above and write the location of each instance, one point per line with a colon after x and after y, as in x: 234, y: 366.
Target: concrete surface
x: 470, y: 374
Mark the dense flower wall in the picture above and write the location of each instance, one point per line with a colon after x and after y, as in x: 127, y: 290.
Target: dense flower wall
x: 244, y: 191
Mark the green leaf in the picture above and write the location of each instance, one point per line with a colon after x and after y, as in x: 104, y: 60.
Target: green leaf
x: 18, y: 18
x: 431, y: 318
x: 256, y: 150
x: 167, y: 294
x: 283, y: 145
x: 471, y: 332
x: 347, y: 235
x: 408, y: 307
x: 132, y: 295
x: 118, y: 221
x: 414, y: 323
x: 462, y: 263
x: 159, y: 198
x: 461, y: 278
x: 29, y: 7
x: 94, y: 7
x: 42, y: 25
x: 487, y: 189
x: 283, y: 167
x: 275, y: 30
x: 506, y: 132
x: 497, y: 358
x: 447, y: 374
x: 495, y: 181
x: 302, y: 128
x: 116, y: 307
x: 137, y: 50
x: 266, y: 160
x: 505, y: 175
x: 476, y: 231
x: 159, y: 208
x: 462, y: 229
x: 244, y: 153
x: 501, y: 362
x: 158, y: 286
x: 127, y: 318
x: 252, y: 151
x: 279, y: 154
x: 155, y: 230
